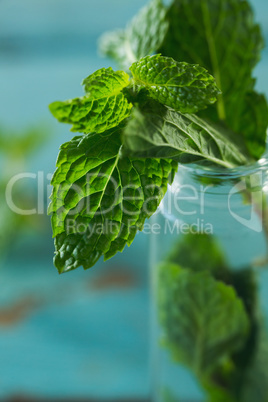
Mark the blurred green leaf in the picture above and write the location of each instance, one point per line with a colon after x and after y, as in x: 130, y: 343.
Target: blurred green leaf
x: 223, y: 37
x: 255, y: 384
x: 193, y: 249
x: 15, y: 150
x: 142, y: 36
x: 203, y: 320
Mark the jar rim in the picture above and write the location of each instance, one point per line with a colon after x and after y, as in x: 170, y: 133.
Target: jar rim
x: 221, y: 173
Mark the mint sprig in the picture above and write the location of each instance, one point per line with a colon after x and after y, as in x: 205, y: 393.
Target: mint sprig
x: 149, y: 113
x: 143, y: 35
x: 103, y: 192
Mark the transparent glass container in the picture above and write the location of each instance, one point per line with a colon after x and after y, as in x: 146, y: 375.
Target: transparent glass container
x: 210, y: 287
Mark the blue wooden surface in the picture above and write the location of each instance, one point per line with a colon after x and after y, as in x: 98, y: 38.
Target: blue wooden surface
x: 84, y: 334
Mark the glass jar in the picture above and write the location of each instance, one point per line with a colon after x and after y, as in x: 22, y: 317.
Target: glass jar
x: 210, y: 287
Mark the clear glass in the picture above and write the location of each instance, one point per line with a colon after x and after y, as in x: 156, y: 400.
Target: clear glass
x: 210, y: 287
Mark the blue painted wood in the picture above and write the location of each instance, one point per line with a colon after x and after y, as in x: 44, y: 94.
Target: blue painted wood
x: 86, y: 333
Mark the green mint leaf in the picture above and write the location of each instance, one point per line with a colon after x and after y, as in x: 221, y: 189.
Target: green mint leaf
x: 182, y: 86
x: 158, y: 131
x: 142, y: 37
x: 105, y: 82
x: 100, y: 200
x: 203, y: 320
x: 192, y: 248
x: 253, y: 119
x: 189, y: 251
x: 104, y: 107
x: 223, y: 38
x: 79, y: 162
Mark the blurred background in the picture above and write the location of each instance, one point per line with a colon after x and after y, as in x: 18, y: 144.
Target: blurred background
x: 83, y: 335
